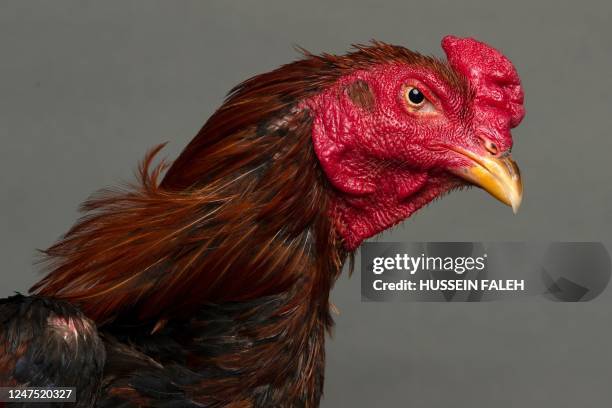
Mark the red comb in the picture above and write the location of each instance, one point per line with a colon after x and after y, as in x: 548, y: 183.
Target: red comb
x: 490, y: 74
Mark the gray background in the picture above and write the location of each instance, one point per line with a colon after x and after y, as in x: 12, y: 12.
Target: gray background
x: 86, y: 87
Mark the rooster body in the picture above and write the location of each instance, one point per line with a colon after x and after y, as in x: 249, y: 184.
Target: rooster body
x: 210, y: 286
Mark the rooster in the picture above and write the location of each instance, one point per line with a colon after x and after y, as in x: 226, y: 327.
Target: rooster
x: 207, y: 282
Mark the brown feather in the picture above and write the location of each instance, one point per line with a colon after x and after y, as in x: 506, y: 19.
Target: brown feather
x: 233, y: 254
x: 242, y: 212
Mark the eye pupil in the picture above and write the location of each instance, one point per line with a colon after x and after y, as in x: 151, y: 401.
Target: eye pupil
x: 415, y: 96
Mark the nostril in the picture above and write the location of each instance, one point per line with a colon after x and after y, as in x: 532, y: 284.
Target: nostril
x: 490, y: 146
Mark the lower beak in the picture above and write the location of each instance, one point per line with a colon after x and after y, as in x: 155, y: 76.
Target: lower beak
x: 499, y: 176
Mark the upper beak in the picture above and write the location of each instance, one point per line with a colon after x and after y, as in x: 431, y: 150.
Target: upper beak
x: 500, y: 176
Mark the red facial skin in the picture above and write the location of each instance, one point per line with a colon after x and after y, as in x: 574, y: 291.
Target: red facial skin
x: 388, y: 161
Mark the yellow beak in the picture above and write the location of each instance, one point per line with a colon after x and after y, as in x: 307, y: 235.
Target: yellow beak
x: 499, y: 176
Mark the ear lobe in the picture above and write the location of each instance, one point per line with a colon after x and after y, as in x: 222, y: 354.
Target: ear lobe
x: 344, y: 171
x: 360, y: 93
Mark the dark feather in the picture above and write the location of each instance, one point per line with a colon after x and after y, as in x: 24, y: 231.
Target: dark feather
x: 47, y: 343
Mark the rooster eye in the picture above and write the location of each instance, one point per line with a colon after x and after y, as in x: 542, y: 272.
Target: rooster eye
x: 415, y: 96
x: 416, y: 100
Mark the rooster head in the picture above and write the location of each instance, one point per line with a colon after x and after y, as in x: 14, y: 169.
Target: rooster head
x: 404, y: 130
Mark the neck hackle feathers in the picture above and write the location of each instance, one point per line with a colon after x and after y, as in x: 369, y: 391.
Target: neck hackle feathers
x: 242, y: 212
